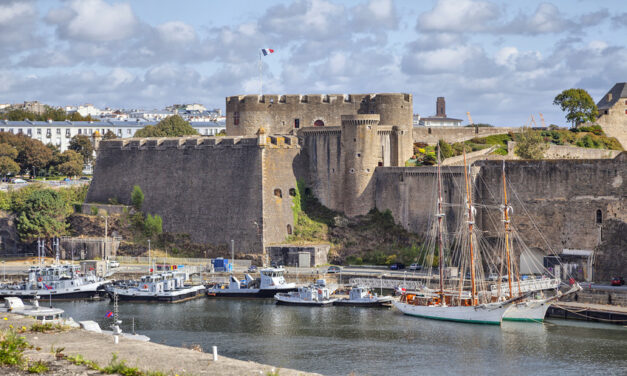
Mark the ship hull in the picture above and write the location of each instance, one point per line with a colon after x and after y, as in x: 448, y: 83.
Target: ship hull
x: 529, y: 311
x: 324, y: 303
x: 84, y: 292
x: 247, y: 293
x: 372, y: 304
x: 176, y: 297
x: 471, y: 314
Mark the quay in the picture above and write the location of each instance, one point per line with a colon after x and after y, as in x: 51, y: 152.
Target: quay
x: 589, y: 312
x: 146, y: 356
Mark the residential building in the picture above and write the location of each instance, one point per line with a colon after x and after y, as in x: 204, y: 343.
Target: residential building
x: 440, y: 119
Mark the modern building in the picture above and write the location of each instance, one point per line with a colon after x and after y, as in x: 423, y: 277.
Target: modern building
x: 440, y: 119
x: 59, y: 133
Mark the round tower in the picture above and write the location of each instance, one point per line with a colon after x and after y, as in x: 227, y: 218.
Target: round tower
x: 360, y: 146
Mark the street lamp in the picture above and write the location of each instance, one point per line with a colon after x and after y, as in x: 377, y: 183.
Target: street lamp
x: 4, y: 272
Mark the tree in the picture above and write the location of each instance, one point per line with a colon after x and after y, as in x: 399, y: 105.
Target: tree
x: 137, y: 197
x: 446, y: 151
x: 8, y: 166
x: 579, y: 106
x: 172, y: 126
x: 70, y: 163
x: 82, y: 144
x: 109, y: 135
x: 153, y: 225
x: 42, y: 214
x: 7, y: 150
x: 34, y: 156
x: 529, y: 144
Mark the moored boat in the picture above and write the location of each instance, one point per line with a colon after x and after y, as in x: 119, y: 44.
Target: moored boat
x: 270, y: 282
x: 314, y: 295
x: 166, y: 287
x: 360, y: 296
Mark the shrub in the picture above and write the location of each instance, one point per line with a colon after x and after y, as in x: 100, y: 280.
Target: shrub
x: 12, y: 348
x: 137, y: 197
x: 153, y: 225
x: 94, y: 210
x: 38, y: 367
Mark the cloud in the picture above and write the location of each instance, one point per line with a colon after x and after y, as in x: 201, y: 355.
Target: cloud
x: 311, y: 19
x: 17, y: 26
x: 546, y: 19
x: 93, y: 21
x: 374, y: 15
x: 459, y: 16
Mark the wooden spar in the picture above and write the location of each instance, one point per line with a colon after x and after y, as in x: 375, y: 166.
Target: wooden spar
x: 506, y: 225
x: 440, y: 242
x: 473, y: 290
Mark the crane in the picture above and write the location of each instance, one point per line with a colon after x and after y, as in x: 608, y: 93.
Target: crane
x: 469, y: 118
x: 542, y: 118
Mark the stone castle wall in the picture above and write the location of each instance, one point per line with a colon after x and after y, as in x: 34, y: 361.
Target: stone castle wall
x: 211, y: 188
x: 614, y: 123
x: 431, y: 135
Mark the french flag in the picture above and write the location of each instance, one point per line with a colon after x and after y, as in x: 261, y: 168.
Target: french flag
x: 109, y: 314
x: 47, y: 287
x: 267, y: 51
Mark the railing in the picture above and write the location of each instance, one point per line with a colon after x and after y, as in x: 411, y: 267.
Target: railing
x: 386, y: 283
x: 175, y: 260
x: 527, y: 286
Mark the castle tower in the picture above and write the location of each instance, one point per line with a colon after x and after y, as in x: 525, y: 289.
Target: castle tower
x: 360, y: 143
x: 440, y: 107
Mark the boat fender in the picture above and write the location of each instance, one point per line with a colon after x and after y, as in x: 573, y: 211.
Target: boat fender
x: 145, y: 286
x: 39, y: 279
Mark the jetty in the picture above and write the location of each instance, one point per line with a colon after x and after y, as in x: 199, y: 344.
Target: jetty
x: 604, y: 313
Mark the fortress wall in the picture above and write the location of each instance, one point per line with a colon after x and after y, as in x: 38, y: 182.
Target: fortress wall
x: 614, y: 123
x: 410, y: 193
x: 431, y: 135
x: 207, y: 187
x: 324, y: 165
x: 277, y: 112
x: 281, y: 168
x: 561, y: 196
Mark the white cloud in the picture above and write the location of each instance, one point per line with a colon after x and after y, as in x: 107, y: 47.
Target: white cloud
x: 375, y: 15
x: 176, y: 32
x: 93, y: 21
x: 506, y: 56
x: 459, y: 16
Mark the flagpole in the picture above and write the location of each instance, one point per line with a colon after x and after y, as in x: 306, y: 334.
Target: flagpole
x: 260, y: 75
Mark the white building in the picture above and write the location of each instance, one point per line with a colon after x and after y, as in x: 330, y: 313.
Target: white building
x: 59, y: 133
x: 440, y: 119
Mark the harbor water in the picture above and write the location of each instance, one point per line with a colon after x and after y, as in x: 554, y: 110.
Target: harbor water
x: 341, y: 340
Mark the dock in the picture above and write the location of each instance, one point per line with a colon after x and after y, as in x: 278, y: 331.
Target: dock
x: 604, y: 313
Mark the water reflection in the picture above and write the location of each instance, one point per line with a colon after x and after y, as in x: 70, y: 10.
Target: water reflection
x: 338, y: 340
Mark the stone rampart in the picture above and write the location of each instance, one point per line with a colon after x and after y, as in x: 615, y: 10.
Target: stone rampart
x: 431, y: 135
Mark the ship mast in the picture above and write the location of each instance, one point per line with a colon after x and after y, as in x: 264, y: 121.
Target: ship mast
x: 506, y: 225
x: 440, y: 215
x: 473, y: 290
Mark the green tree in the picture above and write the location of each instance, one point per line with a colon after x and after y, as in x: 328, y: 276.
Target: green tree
x: 579, y: 106
x: 42, y: 214
x: 530, y: 144
x: 172, y: 126
x: 137, y: 197
x: 82, y: 144
x: 109, y: 135
x: 153, y: 225
x: 34, y: 156
x: 7, y: 150
x: 70, y: 163
x: 8, y: 166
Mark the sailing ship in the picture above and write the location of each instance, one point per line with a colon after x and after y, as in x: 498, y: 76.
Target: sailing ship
x: 458, y: 305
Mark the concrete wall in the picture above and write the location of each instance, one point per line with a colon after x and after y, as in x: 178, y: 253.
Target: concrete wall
x: 288, y: 254
x: 210, y: 188
x: 431, y: 135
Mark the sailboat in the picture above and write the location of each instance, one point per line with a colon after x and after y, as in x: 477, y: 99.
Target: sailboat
x: 449, y: 305
x: 527, y: 309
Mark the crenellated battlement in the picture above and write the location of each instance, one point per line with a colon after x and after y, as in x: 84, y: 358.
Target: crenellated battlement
x: 314, y: 98
x: 167, y: 143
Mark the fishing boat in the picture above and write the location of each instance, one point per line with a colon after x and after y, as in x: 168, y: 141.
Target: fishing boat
x: 159, y: 287
x: 58, y: 281
x: 314, y: 295
x: 270, y: 282
x: 360, y: 296
x: 463, y: 304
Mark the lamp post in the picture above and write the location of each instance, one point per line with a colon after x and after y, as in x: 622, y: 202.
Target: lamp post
x: 4, y: 272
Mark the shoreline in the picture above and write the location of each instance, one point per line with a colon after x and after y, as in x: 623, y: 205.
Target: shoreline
x: 146, y: 356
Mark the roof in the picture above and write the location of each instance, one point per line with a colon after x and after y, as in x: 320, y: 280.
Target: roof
x: 618, y: 91
x: 439, y: 118
x: 99, y: 124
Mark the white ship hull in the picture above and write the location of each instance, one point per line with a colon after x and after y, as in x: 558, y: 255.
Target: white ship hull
x: 483, y: 314
x: 291, y: 300
x: 88, y: 290
x: 530, y: 311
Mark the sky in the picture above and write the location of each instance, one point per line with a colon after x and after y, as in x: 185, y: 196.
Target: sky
x: 502, y: 61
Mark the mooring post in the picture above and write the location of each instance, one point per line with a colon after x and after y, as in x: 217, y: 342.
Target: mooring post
x: 215, y: 353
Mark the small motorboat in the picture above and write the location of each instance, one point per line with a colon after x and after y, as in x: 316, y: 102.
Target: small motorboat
x: 360, y: 296
x: 316, y: 294
x: 270, y: 282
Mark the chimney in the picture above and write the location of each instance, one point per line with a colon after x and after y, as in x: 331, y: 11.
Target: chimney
x: 440, y: 107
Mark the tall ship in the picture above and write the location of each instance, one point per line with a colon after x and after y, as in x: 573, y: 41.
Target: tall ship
x: 460, y: 301
x: 57, y: 281
x: 270, y: 282
x: 166, y: 287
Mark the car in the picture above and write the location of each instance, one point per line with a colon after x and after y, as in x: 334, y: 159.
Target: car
x: 275, y: 264
x: 415, y: 267
x: 113, y: 264
x: 397, y: 266
x: 18, y: 181
x: 334, y: 269
x: 617, y: 281
x: 493, y: 277
x: 84, y: 178
x: 252, y: 269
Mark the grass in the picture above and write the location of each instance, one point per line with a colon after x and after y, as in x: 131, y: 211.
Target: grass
x: 12, y: 348
x: 38, y: 367
x: 48, y: 328
x: 115, y: 366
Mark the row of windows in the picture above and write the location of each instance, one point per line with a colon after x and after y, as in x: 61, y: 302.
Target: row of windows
x: 317, y: 123
x: 120, y: 132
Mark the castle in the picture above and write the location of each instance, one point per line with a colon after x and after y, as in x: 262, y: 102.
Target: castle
x: 350, y: 152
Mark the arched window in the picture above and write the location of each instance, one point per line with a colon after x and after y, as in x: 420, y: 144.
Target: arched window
x: 236, y: 118
x: 599, y: 217
x: 278, y: 193
x: 289, y: 229
x: 318, y: 123
x: 292, y: 192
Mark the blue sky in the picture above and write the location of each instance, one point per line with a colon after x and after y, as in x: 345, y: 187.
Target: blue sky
x: 500, y: 60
